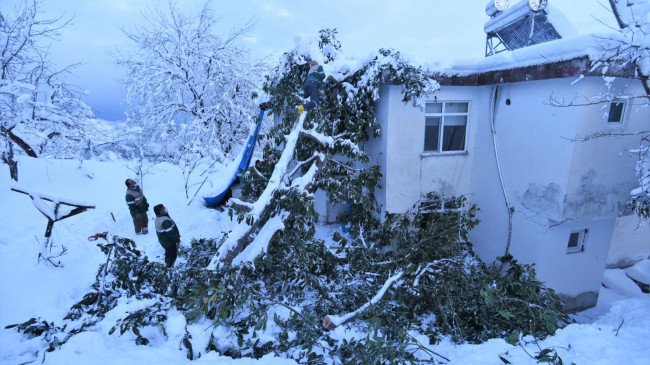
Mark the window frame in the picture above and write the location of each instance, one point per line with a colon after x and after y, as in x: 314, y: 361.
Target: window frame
x: 582, y: 239
x: 623, y: 112
x: 441, y: 127
x: 426, y: 206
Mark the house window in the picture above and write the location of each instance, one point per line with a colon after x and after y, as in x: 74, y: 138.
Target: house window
x: 577, y: 241
x: 616, y: 109
x: 445, y: 126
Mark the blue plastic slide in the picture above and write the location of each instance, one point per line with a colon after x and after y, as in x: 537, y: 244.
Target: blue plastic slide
x: 244, y: 160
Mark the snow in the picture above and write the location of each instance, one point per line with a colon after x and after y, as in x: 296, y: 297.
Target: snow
x: 559, y: 50
x: 640, y: 272
x: 261, y: 241
x: 615, y: 279
x: 616, y: 331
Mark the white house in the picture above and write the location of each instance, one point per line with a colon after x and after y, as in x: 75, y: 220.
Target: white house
x: 506, y: 132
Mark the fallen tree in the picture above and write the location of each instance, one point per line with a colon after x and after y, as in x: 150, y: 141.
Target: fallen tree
x: 323, y: 149
x: 273, y: 284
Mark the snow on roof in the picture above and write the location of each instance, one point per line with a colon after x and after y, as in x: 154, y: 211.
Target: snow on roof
x: 591, y: 46
x: 572, y: 45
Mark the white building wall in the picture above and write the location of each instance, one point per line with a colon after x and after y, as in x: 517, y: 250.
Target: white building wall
x: 603, y: 170
x: 376, y: 148
x: 576, y: 277
x: 535, y: 162
x: 630, y: 242
x: 403, y: 148
x: 555, y: 185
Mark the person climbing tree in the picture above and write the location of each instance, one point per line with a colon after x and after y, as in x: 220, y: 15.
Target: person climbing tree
x: 311, y: 89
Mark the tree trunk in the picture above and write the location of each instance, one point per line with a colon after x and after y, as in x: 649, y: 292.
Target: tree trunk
x: 19, y: 141
x: 8, y: 158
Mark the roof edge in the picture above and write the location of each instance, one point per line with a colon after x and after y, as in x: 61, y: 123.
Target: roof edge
x: 552, y: 70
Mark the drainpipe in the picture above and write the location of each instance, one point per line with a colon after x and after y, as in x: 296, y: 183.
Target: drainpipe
x: 511, y: 209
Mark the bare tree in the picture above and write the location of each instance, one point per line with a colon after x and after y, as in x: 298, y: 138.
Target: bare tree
x: 631, y: 44
x: 41, y: 111
x: 190, y: 90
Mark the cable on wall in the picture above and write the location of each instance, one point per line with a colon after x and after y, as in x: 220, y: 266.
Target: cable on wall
x: 510, y: 208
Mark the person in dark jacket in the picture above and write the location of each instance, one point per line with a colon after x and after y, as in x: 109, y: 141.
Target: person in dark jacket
x: 138, y: 206
x: 168, y: 234
x: 311, y: 89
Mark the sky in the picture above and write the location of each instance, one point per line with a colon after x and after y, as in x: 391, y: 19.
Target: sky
x: 427, y: 32
x: 616, y: 331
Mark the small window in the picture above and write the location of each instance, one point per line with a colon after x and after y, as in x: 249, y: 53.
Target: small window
x: 435, y: 209
x: 616, y: 109
x: 577, y: 241
x: 445, y: 126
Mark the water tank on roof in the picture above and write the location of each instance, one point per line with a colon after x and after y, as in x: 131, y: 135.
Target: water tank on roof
x: 524, y: 24
x: 495, y: 7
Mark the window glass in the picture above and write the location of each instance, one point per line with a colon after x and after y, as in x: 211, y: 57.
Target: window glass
x: 431, y: 133
x: 445, y: 126
x: 616, y: 112
x: 455, y: 120
x: 577, y: 241
x: 574, y: 239
x: 456, y: 107
x: 453, y: 138
x: 433, y: 108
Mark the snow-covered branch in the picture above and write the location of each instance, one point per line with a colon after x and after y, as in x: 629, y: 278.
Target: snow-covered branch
x: 235, y: 241
x: 429, y: 269
x: 301, y: 164
x: 41, y: 110
x: 304, y: 182
x: 239, y: 204
x: 332, y: 321
x: 320, y: 138
x: 261, y: 242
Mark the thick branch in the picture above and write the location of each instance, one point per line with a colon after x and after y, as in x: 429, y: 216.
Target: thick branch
x: 617, y: 15
x: 262, y: 240
x: 319, y: 138
x: 19, y: 141
x: 239, y: 237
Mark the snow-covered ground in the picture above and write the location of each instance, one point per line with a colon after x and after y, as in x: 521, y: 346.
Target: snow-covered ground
x: 614, y: 332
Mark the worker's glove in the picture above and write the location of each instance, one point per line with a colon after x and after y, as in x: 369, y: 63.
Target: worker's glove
x: 301, y: 109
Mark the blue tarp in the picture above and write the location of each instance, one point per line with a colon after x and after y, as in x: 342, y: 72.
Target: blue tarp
x: 243, y: 164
